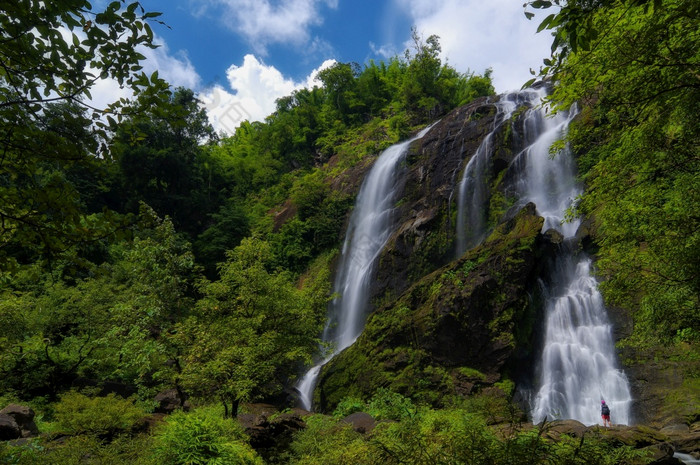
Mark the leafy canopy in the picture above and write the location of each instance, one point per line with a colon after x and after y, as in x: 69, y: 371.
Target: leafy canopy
x: 51, y: 56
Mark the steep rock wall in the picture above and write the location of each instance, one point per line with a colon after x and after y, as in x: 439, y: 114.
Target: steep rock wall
x: 454, y: 329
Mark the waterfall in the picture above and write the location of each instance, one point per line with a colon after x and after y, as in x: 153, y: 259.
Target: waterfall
x: 578, y: 365
x: 472, y: 199
x: 369, y: 228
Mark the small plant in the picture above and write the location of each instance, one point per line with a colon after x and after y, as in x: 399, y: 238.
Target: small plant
x: 468, y: 266
x: 471, y: 373
x: 348, y: 406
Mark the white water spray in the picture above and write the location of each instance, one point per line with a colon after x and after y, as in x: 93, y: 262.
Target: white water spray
x: 369, y: 229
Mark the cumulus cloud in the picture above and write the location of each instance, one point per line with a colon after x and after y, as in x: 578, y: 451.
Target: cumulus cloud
x: 266, y: 22
x: 175, y: 68
x: 477, y: 34
x: 254, y: 88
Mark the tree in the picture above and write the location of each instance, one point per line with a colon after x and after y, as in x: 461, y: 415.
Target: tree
x: 161, y: 162
x: 54, y: 52
x: 340, y: 82
x: 112, y: 325
x: 252, y: 329
x: 420, y: 90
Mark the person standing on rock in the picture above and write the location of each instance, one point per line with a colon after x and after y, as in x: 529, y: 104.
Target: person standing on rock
x: 605, y: 413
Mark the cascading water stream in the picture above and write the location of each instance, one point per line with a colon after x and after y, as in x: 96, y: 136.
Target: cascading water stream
x: 578, y: 365
x: 369, y: 229
x: 472, y: 199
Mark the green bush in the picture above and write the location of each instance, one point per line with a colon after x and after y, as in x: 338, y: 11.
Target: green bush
x: 453, y: 436
x: 202, y: 437
x: 77, y: 413
x: 26, y: 454
x: 437, y: 436
x: 388, y: 405
x: 348, y: 406
x: 326, y: 441
x: 91, y: 450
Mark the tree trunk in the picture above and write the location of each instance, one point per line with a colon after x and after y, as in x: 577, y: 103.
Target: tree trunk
x: 234, y: 402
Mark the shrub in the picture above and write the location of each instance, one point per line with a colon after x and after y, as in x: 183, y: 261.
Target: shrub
x: 388, y: 405
x: 202, y: 437
x: 348, y: 406
x: 77, y: 413
x: 91, y: 450
x: 436, y: 436
x: 325, y: 441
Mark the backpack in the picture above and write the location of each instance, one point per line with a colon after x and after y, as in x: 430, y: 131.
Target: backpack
x: 605, y: 410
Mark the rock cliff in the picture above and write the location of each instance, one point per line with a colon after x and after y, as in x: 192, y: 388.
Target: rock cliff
x: 442, y: 324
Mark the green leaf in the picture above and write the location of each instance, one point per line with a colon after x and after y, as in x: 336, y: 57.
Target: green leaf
x: 529, y: 83
x: 546, y: 23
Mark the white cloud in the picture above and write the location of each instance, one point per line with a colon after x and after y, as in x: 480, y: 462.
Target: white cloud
x: 385, y: 51
x: 478, y: 34
x: 174, y: 68
x: 266, y: 22
x: 312, y: 79
x: 255, y: 88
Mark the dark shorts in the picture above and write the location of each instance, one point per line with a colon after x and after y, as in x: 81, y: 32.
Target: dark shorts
x: 606, y: 417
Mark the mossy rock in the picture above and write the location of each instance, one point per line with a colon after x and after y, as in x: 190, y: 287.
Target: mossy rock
x: 460, y: 320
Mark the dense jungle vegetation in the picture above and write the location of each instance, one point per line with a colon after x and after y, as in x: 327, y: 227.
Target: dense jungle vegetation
x: 140, y: 247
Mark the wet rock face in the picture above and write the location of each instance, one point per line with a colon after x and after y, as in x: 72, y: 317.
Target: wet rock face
x: 454, y: 329
x: 424, y: 237
x: 424, y: 233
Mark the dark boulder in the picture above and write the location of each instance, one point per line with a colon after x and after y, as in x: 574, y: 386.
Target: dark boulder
x: 678, y: 428
x: 688, y: 443
x: 9, y: 429
x: 569, y: 427
x: 171, y: 400
x: 269, y: 430
x: 24, y: 417
x: 662, y: 454
x: 361, y: 422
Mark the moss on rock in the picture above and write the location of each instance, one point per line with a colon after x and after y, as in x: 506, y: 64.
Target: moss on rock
x: 454, y: 323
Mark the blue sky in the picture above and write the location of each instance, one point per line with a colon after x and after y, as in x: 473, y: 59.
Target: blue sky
x: 209, y: 33
x: 247, y: 53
